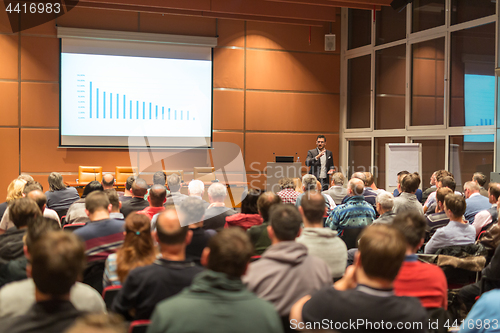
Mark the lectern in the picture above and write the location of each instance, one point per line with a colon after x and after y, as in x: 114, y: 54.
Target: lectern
x: 276, y: 171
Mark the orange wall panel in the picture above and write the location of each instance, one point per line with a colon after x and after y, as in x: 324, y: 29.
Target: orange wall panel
x: 47, y: 29
x: 9, y: 95
x: 9, y: 150
x: 39, y: 58
x: 4, y: 26
x: 270, y: 111
x: 231, y: 33
x: 293, y: 71
x: 228, y: 109
x: 232, y: 137
x: 9, y: 56
x: 261, y: 146
x: 39, y: 104
x: 88, y: 18
x: 228, y: 68
x: 177, y: 25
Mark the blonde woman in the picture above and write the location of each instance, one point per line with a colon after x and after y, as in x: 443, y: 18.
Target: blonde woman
x: 14, y: 191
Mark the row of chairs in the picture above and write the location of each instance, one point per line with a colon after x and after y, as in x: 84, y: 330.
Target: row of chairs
x: 109, y: 294
x: 89, y: 173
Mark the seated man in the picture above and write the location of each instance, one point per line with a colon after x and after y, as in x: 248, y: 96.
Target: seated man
x: 321, y: 242
x: 137, y: 203
x: 354, y: 213
x: 196, y: 188
x: 11, y: 242
x: 116, y: 205
x: 439, y: 219
x: 397, y: 191
x: 337, y: 191
x: 127, y: 195
x: 102, y: 235
x: 157, y: 197
x: 215, y: 215
x: 286, y: 272
x: 385, y: 203
x: 457, y: 231
x: 484, y: 218
x: 57, y: 261
x: 425, y: 281
x: 175, y: 197
x: 217, y: 301
x: 475, y: 201
x: 148, y: 285
x: 365, y: 294
x: 407, y: 200
x: 310, y: 183
x: 108, y: 181
x: 16, y: 298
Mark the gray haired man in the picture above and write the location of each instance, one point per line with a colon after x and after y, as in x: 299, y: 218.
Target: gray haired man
x: 385, y: 203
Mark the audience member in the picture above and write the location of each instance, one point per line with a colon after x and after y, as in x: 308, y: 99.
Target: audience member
x: 249, y: 215
x: 457, y: 231
x: 157, y: 197
x: 108, y: 182
x: 259, y: 234
x: 137, y: 203
x: 102, y: 235
x: 447, y: 181
x: 370, y: 182
x: 397, y: 191
x: 385, y: 203
x: 14, y: 191
x: 298, y: 184
x: 368, y: 194
x: 438, y: 219
x: 191, y: 213
x: 11, y: 243
x: 76, y: 212
x: 310, y: 183
x: 175, y: 197
x: 337, y: 191
x: 287, y: 194
x: 475, y: 201
x: 15, y: 270
x: 116, y: 205
x: 35, y: 193
x: 483, y: 317
x: 217, y: 300
x: 286, y: 272
x: 480, y: 179
x: 425, y: 281
x: 16, y: 298
x: 486, y: 217
x: 366, y: 291
x: 98, y: 323
x: 146, y: 286
x: 137, y: 250
x: 159, y: 178
x: 433, y: 188
x: 354, y: 213
x: 216, y: 213
x: 196, y: 188
x: 321, y: 242
x: 407, y: 200
x: 431, y: 199
x: 57, y: 261
x: 127, y: 195
x: 59, y: 196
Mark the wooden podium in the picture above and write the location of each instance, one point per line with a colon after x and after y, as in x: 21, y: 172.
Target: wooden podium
x: 276, y: 171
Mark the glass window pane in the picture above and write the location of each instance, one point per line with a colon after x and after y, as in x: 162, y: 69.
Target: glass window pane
x: 360, y: 28
x: 472, y: 101
x: 469, y: 154
x: 427, y: 98
x: 433, y: 152
x: 379, y: 170
x: 467, y: 10
x: 359, y: 156
x: 390, y: 70
x: 358, y: 92
x: 427, y: 14
x: 391, y: 25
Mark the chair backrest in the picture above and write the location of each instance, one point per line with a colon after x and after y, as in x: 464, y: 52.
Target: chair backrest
x: 139, y: 326
x: 92, y: 275
x: 109, y: 294
x: 123, y: 172
x: 73, y: 227
x: 179, y: 172
x: 205, y: 174
x: 86, y: 174
x: 350, y: 236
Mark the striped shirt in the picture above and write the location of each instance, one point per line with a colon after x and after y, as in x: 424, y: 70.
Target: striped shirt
x: 101, y: 238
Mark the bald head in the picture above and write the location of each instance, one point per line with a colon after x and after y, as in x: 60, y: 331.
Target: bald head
x: 359, y: 175
x: 108, y: 180
x: 157, y: 195
x: 168, y: 229
x: 38, y: 197
x: 356, y: 186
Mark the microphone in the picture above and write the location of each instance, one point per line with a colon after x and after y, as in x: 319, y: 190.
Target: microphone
x: 95, y: 176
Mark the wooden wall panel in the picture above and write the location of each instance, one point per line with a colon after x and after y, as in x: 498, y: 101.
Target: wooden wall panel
x: 80, y: 17
x: 9, y: 56
x: 228, y: 109
x: 46, y: 29
x: 231, y: 33
x: 269, y: 111
x: 9, y: 94
x: 177, y: 25
x: 4, y: 25
x: 39, y: 104
x: 236, y: 138
x: 228, y: 68
x: 39, y: 58
x: 9, y: 150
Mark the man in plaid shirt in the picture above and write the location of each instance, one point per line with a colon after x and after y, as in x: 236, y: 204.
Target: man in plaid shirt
x: 287, y: 194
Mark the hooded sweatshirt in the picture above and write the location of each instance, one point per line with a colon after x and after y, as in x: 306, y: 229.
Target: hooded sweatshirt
x: 325, y: 244
x: 286, y: 273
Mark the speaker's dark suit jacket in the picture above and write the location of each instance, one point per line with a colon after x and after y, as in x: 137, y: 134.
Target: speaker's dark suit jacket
x: 315, y: 165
